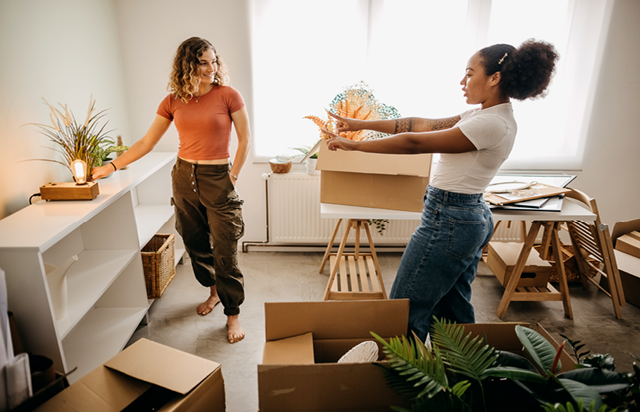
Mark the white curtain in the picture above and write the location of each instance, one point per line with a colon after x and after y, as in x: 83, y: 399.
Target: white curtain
x: 413, y: 53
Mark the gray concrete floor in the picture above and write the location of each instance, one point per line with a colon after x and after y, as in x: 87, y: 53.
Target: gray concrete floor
x: 293, y: 276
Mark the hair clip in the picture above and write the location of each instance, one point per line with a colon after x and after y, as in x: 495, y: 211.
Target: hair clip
x: 505, y: 55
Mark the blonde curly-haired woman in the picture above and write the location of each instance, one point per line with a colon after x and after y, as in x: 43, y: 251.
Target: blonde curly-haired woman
x: 208, y: 209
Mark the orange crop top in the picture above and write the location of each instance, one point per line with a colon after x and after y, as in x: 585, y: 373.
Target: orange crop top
x: 204, y: 126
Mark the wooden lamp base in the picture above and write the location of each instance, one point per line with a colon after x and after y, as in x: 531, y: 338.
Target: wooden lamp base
x: 69, y: 191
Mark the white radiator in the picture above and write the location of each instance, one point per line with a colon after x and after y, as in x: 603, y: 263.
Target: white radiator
x: 294, y: 215
x: 293, y: 202
x: 512, y: 231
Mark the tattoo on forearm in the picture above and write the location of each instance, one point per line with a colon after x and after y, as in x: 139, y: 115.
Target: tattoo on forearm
x: 404, y: 125
x: 441, y: 124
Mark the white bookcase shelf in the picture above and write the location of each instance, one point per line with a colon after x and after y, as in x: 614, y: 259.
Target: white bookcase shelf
x: 106, y: 298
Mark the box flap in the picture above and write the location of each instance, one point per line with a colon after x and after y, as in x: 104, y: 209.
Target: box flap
x: 101, y: 390
x: 163, y: 366
x: 297, y: 350
x: 627, y: 263
x: 377, y: 163
x: 620, y: 228
x: 336, y: 319
x: 628, y: 244
x: 509, y: 252
x: 501, y: 336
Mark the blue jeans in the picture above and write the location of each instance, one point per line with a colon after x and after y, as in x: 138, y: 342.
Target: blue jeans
x: 441, y: 259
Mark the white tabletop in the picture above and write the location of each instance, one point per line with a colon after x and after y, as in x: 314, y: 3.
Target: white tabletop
x: 43, y: 223
x: 571, y: 210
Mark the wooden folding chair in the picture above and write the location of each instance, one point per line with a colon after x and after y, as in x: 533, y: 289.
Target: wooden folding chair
x: 594, y: 251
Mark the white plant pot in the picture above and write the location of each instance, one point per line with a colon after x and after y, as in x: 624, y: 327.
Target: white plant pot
x: 57, y: 280
x: 311, y: 166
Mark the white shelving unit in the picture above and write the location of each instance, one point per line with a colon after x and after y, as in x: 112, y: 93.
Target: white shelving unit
x: 107, y: 296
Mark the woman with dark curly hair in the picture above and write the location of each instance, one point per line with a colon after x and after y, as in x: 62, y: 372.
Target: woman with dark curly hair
x: 208, y: 209
x: 441, y: 259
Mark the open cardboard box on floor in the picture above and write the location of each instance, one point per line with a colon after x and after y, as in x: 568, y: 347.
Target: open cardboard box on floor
x: 302, y: 373
x: 384, y: 181
x: 304, y: 341
x: 146, y: 376
x: 502, y: 258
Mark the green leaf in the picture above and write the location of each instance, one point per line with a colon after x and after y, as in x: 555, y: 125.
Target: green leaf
x: 579, y: 390
x: 598, y: 379
x: 414, y: 372
x: 539, y: 349
x: 518, y: 374
x: 467, y: 356
x: 511, y: 359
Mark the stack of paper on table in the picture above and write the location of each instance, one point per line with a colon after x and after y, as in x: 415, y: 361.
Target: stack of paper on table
x: 544, y: 200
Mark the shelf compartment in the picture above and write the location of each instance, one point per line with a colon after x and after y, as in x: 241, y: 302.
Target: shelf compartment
x: 108, y: 326
x: 149, y: 220
x: 88, y: 279
x: 99, y: 337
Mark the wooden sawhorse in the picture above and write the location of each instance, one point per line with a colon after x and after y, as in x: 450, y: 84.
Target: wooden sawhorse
x: 354, y: 276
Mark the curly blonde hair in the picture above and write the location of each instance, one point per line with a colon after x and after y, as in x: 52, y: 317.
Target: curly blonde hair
x: 184, y: 79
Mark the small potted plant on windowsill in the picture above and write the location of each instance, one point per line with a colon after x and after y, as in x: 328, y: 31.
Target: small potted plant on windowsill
x: 312, y: 159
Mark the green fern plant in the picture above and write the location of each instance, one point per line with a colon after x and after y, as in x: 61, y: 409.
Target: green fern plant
x: 420, y: 375
x: 438, y: 376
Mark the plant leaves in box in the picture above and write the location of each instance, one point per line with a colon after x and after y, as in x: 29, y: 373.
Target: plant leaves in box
x: 542, y: 352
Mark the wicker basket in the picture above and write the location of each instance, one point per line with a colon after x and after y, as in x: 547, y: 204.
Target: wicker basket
x: 570, y: 265
x: 158, y: 262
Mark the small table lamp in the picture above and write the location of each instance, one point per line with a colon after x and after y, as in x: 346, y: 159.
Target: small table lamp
x: 80, y: 190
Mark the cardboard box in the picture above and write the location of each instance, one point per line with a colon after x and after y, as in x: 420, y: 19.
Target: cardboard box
x: 304, y: 341
x: 628, y: 264
x: 146, y: 376
x: 629, y: 244
x: 302, y: 373
x: 502, y: 257
x: 396, y: 182
x: 629, y: 268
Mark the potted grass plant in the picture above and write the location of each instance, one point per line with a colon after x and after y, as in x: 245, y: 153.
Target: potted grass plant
x: 75, y: 140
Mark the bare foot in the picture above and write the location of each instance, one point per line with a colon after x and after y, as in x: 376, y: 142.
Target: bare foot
x: 235, y: 333
x: 207, y: 306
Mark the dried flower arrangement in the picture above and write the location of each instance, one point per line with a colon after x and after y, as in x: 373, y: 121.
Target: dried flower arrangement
x: 357, y: 102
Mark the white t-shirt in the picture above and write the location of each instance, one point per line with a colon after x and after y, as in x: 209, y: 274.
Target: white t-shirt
x: 492, y: 131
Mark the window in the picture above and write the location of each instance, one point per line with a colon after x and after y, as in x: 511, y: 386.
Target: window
x: 412, y: 53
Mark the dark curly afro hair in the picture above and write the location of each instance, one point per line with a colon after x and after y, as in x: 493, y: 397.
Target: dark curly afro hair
x: 526, y: 71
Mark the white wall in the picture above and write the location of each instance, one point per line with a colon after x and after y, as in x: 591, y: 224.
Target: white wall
x: 64, y: 50
x: 150, y: 32
x: 611, y: 167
